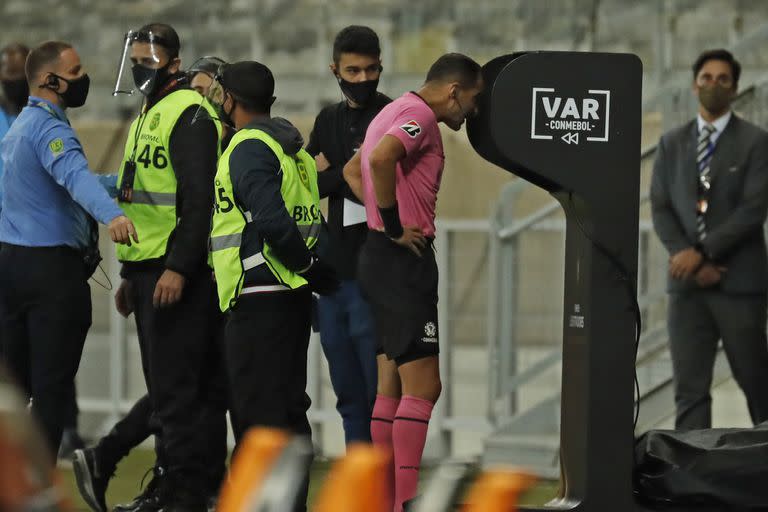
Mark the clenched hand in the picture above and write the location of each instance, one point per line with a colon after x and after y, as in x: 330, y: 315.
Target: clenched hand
x: 168, y: 289
x: 123, y: 299
x: 683, y: 264
x: 321, y: 162
x: 709, y: 275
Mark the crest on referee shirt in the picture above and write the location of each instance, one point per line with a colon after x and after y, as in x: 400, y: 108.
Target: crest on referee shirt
x: 412, y: 128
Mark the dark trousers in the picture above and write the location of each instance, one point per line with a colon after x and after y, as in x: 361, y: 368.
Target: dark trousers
x: 182, y: 362
x: 349, y: 342
x: 267, y: 337
x: 45, y: 305
x: 129, y: 432
x: 697, y: 320
x: 73, y: 411
x: 137, y: 426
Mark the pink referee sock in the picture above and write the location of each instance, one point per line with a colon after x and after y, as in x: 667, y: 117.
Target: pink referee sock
x: 409, y: 433
x: 383, y: 416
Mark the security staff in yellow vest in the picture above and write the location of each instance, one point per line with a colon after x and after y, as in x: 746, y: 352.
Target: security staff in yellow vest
x: 266, y: 222
x: 139, y: 424
x: 166, y: 183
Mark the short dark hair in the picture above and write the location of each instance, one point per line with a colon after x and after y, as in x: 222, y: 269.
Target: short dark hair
x: 11, y: 48
x: 164, y: 35
x: 455, y: 67
x: 42, y: 56
x: 356, y: 39
x: 718, y: 54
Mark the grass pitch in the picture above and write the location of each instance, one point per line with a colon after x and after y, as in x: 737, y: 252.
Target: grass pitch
x: 125, y: 484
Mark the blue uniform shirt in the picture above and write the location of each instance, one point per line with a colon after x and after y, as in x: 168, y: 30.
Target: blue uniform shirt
x: 48, y: 190
x: 5, y: 123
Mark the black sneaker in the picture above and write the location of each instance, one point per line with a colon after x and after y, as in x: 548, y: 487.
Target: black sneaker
x: 92, y: 477
x: 149, y: 500
x: 70, y: 441
x: 181, y: 495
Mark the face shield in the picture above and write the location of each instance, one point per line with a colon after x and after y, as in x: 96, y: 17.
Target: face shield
x: 212, y: 104
x: 202, y: 72
x: 143, y: 64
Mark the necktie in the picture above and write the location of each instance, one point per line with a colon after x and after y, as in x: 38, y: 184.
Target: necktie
x: 704, y: 150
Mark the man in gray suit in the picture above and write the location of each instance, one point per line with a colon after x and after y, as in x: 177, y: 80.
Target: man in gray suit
x: 709, y: 198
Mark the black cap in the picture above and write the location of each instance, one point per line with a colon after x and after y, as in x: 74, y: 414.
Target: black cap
x: 251, y: 82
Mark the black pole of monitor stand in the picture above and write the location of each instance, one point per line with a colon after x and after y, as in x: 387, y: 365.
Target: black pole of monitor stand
x: 570, y: 123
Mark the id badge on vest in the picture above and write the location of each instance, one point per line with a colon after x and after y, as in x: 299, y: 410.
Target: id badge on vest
x: 126, y: 184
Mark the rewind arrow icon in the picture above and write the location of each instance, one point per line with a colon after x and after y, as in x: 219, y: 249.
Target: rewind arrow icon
x: 571, y: 138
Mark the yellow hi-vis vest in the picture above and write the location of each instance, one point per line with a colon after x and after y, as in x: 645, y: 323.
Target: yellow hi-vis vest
x: 302, y: 200
x: 153, y: 205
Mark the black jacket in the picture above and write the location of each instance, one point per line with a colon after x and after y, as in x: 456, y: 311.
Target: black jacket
x: 738, y: 202
x: 194, y: 155
x: 338, y: 132
x: 256, y: 181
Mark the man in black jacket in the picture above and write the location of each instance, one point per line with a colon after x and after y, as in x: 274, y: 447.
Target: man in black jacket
x: 166, y: 181
x: 346, y: 323
x: 266, y: 223
x: 709, y: 198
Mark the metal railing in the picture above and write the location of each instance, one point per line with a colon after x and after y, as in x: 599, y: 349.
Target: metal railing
x: 110, y: 378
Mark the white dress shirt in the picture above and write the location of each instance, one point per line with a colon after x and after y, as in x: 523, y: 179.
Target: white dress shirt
x: 719, y: 124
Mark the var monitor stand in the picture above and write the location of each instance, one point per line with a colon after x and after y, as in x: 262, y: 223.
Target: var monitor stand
x: 570, y: 123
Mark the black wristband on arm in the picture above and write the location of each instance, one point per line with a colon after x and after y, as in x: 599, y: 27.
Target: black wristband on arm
x: 391, y: 218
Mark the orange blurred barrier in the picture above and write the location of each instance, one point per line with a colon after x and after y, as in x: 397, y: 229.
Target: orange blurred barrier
x: 498, y: 490
x: 256, y: 454
x: 357, y: 482
x: 28, y: 480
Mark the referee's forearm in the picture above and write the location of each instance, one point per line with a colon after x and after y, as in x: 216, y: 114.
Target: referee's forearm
x: 383, y: 173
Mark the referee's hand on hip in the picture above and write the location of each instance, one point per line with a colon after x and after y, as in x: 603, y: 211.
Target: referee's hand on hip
x: 412, y: 239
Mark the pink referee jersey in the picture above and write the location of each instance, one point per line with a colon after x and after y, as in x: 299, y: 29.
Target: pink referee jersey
x: 419, y: 173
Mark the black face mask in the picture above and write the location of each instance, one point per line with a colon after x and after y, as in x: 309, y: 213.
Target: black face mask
x: 16, y: 91
x: 77, y: 91
x: 360, y: 93
x: 149, y: 80
x: 226, y: 117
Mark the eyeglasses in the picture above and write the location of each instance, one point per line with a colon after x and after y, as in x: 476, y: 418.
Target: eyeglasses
x: 706, y: 79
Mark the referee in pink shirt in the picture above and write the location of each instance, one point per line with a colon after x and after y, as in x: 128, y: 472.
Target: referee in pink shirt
x: 397, y: 175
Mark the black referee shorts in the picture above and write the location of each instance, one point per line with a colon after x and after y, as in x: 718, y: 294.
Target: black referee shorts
x: 402, y: 290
